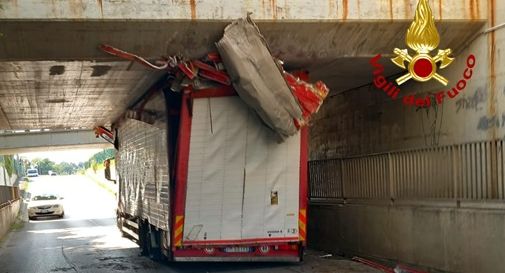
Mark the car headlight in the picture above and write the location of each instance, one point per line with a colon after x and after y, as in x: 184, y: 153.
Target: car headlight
x: 56, y: 206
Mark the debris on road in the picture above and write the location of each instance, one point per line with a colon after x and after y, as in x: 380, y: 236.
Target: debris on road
x: 400, y: 268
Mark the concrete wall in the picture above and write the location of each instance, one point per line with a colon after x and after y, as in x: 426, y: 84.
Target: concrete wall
x: 5, y: 179
x: 365, y: 120
x: 8, y: 216
x: 444, y: 238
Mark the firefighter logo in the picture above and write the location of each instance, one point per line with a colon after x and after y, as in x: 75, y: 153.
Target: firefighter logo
x: 422, y: 37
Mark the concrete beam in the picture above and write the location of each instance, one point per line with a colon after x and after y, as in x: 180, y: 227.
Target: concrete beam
x: 226, y: 10
x: 51, y: 140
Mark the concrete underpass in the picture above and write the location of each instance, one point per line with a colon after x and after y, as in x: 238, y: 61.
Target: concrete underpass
x: 388, y: 180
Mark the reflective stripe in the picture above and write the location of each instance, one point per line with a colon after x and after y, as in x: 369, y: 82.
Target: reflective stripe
x: 179, y: 224
x: 302, y: 221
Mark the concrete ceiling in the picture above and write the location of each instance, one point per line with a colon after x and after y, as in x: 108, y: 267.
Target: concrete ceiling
x: 52, y: 74
x: 78, y: 94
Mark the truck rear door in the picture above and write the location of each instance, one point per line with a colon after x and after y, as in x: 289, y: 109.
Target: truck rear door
x: 242, y: 185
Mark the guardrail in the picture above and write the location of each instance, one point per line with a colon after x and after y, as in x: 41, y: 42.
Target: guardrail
x: 467, y: 172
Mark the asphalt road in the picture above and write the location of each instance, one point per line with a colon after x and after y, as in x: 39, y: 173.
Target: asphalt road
x: 87, y: 240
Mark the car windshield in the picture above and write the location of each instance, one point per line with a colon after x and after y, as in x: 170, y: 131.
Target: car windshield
x: 32, y: 171
x: 44, y: 197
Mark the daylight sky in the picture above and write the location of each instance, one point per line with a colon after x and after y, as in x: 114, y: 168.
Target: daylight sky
x: 75, y: 156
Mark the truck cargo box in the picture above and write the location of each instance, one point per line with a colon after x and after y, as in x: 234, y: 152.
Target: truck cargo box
x: 234, y: 192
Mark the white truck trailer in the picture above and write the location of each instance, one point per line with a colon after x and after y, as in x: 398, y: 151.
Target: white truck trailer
x: 201, y: 178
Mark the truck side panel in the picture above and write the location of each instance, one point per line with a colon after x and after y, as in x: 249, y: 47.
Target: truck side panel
x: 143, y: 172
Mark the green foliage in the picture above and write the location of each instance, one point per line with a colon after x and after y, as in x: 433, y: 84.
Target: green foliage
x: 97, y: 159
x: 100, y: 157
x: 45, y: 165
x: 66, y: 168
x: 9, y: 164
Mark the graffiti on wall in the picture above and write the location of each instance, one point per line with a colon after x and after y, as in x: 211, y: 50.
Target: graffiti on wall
x: 473, y: 102
x: 495, y: 121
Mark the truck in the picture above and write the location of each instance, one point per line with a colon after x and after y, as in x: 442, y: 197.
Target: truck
x: 32, y: 172
x: 202, y: 178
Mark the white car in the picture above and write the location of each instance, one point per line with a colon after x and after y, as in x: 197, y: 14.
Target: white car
x: 45, y: 205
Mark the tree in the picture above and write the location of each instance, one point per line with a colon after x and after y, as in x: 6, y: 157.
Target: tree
x: 100, y: 157
x: 43, y: 165
x: 8, y: 161
x: 66, y: 168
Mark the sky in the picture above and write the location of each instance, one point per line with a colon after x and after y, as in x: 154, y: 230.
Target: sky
x: 75, y: 156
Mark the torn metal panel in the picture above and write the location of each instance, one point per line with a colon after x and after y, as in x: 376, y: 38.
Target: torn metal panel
x: 257, y: 77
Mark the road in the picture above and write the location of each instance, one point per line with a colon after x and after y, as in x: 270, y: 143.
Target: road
x: 86, y: 240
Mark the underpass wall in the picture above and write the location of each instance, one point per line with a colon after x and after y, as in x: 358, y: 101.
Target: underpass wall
x: 444, y: 238
x: 5, y: 179
x: 8, y: 215
x: 419, y: 185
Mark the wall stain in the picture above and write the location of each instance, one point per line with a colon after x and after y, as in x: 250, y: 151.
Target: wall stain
x: 474, y: 9
x: 192, y: 4
x: 478, y: 8
x: 100, y: 70
x: 391, y: 9
x: 331, y: 8
x: 101, y: 6
x: 492, y: 67
x: 406, y: 4
x: 76, y: 8
x: 345, y: 9
x: 58, y: 100
x: 359, y: 9
x: 57, y: 70
x: 273, y: 4
x: 263, y: 8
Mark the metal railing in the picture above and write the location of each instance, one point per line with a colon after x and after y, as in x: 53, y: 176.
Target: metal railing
x: 8, y: 194
x: 471, y: 171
